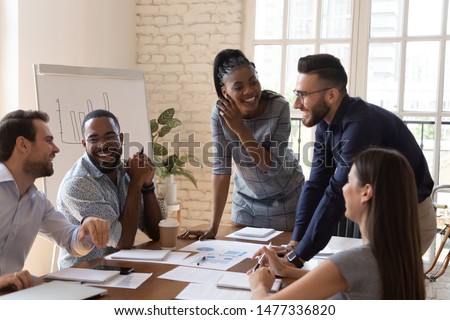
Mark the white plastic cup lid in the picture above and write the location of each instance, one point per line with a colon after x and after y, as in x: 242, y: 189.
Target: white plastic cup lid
x: 168, y: 223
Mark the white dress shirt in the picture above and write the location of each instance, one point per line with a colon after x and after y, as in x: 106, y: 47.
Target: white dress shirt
x: 22, y: 218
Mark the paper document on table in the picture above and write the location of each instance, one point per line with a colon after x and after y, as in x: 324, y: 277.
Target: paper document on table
x: 141, y: 254
x: 220, y: 260
x: 196, y: 275
x: 83, y: 275
x: 129, y: 281
x: 311, y: 264
x: 239, y: 280
x: 173, y: 258
x: 325, y: 253
x: 209, y: 291
x: 214, y: 246
x: 254, y: 232
x: 342, y: 243
x: 337, y: 244
x: 267, y: 237
x: 204, y: 284
x: 56, y: 290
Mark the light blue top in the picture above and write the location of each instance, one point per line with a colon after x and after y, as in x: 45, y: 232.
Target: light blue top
x: 22, y: 218
x: 260, y: 199
x: 85, y: 191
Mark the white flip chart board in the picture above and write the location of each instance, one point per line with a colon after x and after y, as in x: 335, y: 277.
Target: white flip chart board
x: 68, y: 93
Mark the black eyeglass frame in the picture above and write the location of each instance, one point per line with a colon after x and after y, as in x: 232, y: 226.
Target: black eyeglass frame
x: 110, y: 137
x: 303, y: 94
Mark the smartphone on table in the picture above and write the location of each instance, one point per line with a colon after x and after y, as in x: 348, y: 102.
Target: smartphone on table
x: 123, y: 270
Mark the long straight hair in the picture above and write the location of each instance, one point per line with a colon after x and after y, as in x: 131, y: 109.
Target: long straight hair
x: 392, y: 222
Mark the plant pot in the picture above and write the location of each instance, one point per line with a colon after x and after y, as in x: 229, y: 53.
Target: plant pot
x: 168, y: 189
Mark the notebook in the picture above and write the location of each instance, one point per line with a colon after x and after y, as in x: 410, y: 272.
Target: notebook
x: 254, y: 232
x: 56, y: 290
x: 84, y: 275
x: 239, y: 280
x: 141, y: 254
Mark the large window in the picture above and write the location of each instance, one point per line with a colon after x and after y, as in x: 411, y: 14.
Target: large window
x: 394, y: 52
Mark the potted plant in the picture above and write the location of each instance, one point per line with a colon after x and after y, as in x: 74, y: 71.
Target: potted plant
x: 168, y: 166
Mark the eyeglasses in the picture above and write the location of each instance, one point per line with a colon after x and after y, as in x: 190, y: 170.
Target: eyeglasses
x: 110, y: 137
x: 303, y: 94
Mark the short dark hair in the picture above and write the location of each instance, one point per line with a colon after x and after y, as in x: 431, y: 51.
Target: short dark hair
x: 18, y: 123
x: 225, y: 62
x: 327, y: 67
x: 97, y: 114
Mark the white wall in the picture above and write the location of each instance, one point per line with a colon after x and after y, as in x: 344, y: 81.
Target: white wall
x: 177, y: 43
x: 9, y: 56
x: 100, y: 33
x: 173, y: 41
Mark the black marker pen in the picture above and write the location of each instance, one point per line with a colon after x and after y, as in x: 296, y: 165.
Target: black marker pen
x: 201, y: 260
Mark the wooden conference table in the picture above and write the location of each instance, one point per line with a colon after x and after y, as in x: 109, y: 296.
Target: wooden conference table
x: 160, y: 289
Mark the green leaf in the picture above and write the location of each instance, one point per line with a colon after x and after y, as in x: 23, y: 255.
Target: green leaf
x: 180, y: 162
x: 166, y: 116
x: 154, y: 126
x: 159, y: 150
x: 162, y: 172
x: 172, y: 159
x: 164, y: 130
x: 168, y: 127
x: 173, y: 123
x: 157, y: 160
x: 173, y: 164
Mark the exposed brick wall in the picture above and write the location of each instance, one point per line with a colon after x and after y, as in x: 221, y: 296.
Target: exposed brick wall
x: 177, y: 41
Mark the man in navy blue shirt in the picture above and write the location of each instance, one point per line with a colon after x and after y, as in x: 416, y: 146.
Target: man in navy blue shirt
x: 345, y: 127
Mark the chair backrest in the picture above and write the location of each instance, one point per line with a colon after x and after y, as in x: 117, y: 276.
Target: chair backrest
x: 439, y: 189
x: 347, y: 228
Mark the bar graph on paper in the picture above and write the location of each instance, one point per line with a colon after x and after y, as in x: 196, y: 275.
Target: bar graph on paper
x: 215, y: 260
x: 218, y: 254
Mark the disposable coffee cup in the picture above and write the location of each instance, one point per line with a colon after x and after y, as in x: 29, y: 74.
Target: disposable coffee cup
x: 168, y: 231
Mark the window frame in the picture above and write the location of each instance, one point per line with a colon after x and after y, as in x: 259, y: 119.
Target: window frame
x: 360, y: 41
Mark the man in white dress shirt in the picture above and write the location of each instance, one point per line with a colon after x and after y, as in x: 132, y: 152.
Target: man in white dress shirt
x: 27, y: 151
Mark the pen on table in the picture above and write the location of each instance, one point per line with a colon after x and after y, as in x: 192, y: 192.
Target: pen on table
x: 201, y: 260
x: 260, y: 260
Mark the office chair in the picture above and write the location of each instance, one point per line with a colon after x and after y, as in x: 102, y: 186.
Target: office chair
x: 347, y: 228
x: 443, y: 267
x: 445, y: 232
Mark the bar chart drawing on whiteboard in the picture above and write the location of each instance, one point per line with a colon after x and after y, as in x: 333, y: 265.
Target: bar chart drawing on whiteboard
x: 68, y: 93
x: 71, y: 119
